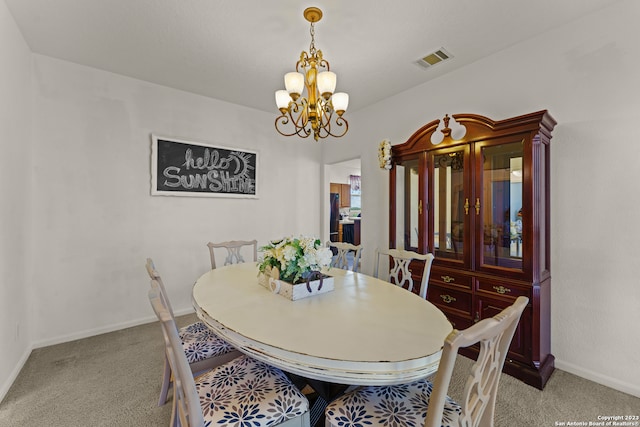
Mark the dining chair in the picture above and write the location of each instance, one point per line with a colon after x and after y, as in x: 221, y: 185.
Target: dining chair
x: 422, y: 403
x: 233, y: 248
x: 243, y: 391
x: 343, y: 257
x: 400, y: 272
x: 203, y: 348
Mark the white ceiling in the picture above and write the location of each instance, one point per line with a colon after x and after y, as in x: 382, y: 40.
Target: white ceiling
x: 238, y: 51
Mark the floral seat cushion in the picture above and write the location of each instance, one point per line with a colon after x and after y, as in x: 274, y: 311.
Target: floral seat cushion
x: 200, y: 343
x: 247, y: 392
x: 391, y: 406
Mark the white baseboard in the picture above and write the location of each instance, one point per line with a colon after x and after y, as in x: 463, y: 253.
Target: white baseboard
x: 72, y: 337
x: 102, y: 330
x: 632, y: 389
x: 16, y: 371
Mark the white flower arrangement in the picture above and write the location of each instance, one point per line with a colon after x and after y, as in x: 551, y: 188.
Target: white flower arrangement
x: 384, y: 154
x: 295, y: 257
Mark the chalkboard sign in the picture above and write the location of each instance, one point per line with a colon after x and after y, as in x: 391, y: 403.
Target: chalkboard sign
x: 183, y: 168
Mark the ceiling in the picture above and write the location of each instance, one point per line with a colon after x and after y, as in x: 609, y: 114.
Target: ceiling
x: 238, y: 51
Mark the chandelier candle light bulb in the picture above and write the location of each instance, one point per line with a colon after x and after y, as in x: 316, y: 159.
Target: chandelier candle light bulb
x: 326, y: 83
x: 294, y: 82
x: 313, y: 114
x: 340, y: 102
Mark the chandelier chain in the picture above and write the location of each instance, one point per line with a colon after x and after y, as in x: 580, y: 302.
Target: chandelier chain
x: 312, y: 46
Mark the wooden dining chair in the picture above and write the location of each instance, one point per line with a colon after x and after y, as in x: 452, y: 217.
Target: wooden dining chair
x: 243, y: 391
x: 400, y: 272
x: 233, y: 248
x: 422, y: 403
x: 203, y: 348
x: 346, y: 255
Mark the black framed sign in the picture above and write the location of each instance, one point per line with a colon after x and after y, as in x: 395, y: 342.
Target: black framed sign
x: 186, y: 168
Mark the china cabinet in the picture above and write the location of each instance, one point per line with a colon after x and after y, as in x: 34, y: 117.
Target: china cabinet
x: 475, y: 193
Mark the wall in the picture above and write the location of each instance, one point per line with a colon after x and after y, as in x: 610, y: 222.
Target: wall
x: 585, y: 74
x: 94, y: 218
x: 339, y: 173
x: 15, y: 165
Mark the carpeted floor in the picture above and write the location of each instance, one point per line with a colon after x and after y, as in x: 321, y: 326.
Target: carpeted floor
x: 114, y: 380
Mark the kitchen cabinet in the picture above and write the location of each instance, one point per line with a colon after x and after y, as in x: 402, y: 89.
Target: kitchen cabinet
x: 344, y: 190
x: 480, y: 204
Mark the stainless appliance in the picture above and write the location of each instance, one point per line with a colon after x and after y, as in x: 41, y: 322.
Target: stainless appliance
x: 334, y: 217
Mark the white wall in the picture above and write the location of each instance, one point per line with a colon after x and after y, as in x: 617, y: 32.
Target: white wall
x: 586, y: 75
x: 340, y: 172
x: 15, y: 171
x: 95, y: 219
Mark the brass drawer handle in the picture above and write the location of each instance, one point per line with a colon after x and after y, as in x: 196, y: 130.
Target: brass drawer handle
x: 447, y: 298
x: 501, y: 289
x: 448, y: 279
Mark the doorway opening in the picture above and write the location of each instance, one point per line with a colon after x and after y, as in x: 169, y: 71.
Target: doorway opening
x: 345, y: 205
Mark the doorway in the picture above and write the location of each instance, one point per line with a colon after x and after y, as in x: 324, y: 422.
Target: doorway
x: 342, y: 217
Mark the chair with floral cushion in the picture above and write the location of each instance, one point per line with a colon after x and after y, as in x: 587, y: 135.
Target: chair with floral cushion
x: 233, y: 248
x: 346, y: 255
x: 243, y: 391
x: 400, y: 272
x: 422, y: 403
x: 203, y: 348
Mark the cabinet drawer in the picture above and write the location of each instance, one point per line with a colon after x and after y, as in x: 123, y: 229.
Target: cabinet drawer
x: 450, y: 299
x: 450, y: 278
x: 503, y: 288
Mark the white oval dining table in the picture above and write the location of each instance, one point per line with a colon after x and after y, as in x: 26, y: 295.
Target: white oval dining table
x: 364, y: 332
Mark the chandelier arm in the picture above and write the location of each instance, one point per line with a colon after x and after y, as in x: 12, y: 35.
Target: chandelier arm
x: 299, y: 121
x: 324, y: 64
x: 283, y: 120
x: 339, y: 122
x: 325, y: 123
x: 303, y: 62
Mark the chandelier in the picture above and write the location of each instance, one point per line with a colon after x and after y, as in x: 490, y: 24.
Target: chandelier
x: 321, y: 111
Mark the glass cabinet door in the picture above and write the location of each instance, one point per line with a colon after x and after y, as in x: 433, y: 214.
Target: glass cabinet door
x: 450, y: 204
x: 499, y: 205
x: 408, y: 205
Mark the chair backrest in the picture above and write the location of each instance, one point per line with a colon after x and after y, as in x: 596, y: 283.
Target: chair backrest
x: 154, y: 275
x: 188, y: 411
x: 400, y: 272
x: 494, y: 335
x: 341, y: 258
x: 233, y: 248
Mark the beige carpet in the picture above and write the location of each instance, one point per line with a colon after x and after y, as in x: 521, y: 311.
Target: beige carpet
x: 114, y: 380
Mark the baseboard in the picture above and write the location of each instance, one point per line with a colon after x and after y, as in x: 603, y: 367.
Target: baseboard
x: 632, y: 389
x: 72, y: 337
x: 16, y: 371
x: 102, y: 330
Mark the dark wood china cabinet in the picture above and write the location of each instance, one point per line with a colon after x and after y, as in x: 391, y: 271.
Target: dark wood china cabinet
x: 479, y: 201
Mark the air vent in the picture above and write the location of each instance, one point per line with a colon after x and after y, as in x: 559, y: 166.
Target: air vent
x: 434, y: 58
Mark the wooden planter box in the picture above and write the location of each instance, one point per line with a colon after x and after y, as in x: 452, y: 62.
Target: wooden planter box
x: 271, y: 280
